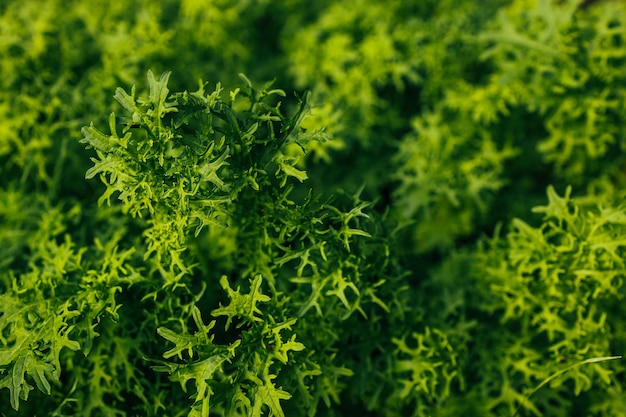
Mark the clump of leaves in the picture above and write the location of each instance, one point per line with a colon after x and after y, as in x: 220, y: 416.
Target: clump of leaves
x: 304, y: 274
x: 564, y: 62
x: 547, y: 299
x: 191, y: 161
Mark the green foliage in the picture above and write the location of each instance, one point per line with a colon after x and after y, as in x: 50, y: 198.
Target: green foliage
x: 448, y: 173
x: 558, y: 291
x: 54, y: 298
x: 189, y: 161
x: 378, y: 243
x: 563, y: 64
x: 544, y: 107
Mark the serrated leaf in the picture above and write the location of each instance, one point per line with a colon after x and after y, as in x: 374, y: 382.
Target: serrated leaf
x: 128, y: 102
x: 286, y: 165
x: 159, y: 94
x: 281, y: 352
x: 266, y: 393
x: 292, y: 171
x: 242, y: 306
x: 181, y: 342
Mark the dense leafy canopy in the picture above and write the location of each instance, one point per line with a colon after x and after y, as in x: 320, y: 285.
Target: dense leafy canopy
x: 401, y: 209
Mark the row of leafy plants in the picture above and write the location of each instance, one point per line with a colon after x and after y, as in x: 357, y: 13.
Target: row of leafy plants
x: 422, y: 214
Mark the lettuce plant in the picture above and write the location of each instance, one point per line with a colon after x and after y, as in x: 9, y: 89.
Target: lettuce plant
x: 545, y: 298
x: 241, y: 336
